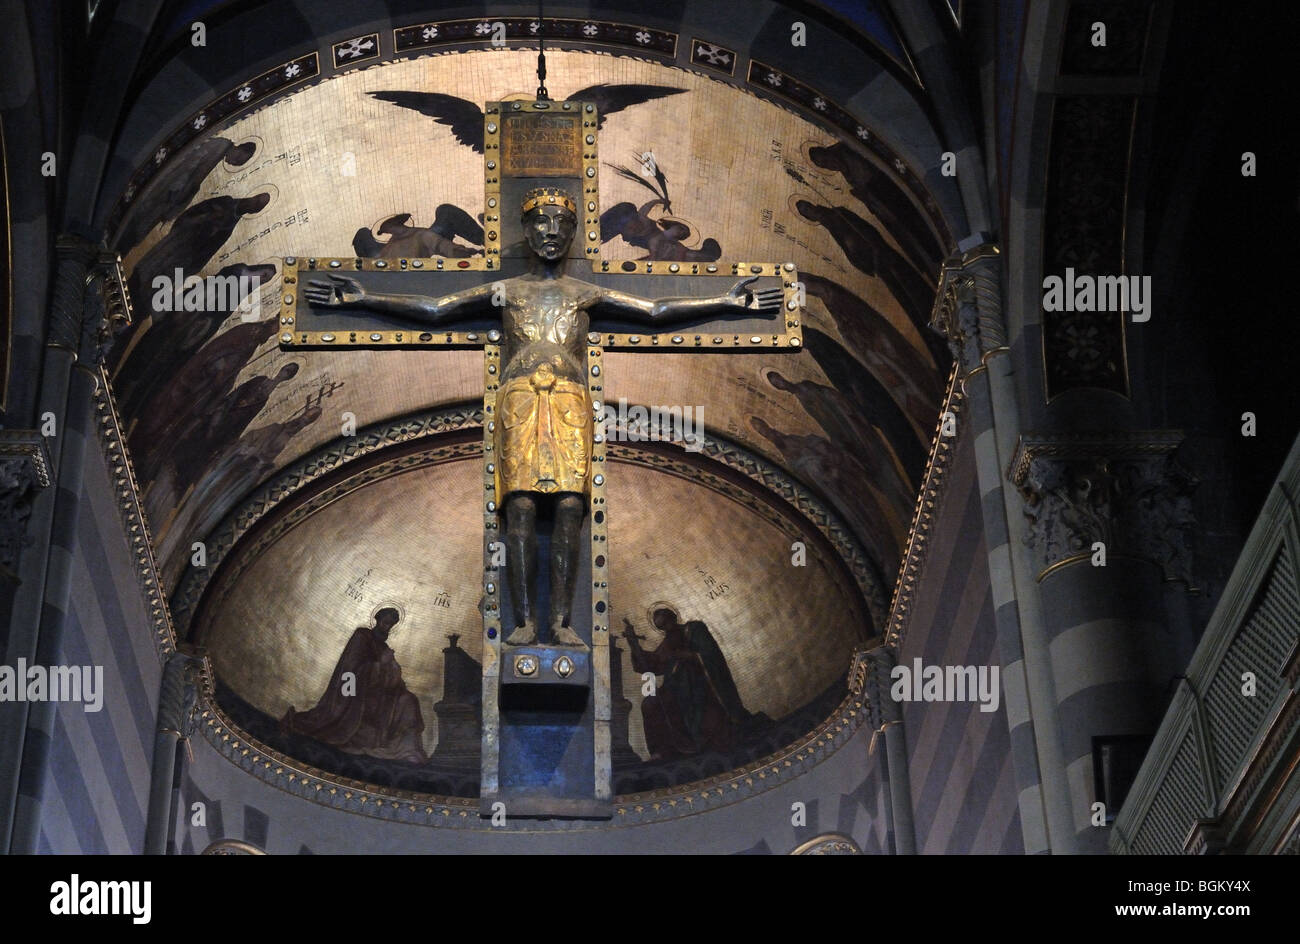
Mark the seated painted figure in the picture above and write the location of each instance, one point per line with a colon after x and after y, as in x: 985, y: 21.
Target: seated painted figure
x: 371, y: 713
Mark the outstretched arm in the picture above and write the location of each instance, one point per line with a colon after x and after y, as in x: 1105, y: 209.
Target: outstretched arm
x: 343, y: 292
x: 659, y: 311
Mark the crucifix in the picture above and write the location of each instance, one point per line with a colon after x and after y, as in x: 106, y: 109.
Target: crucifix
x: 546, y: 701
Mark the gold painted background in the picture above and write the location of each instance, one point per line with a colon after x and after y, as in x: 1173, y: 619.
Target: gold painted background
x: 331, y: 160
x: 414, y: 540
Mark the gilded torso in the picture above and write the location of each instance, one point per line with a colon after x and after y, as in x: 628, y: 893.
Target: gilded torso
x: 544, y: 409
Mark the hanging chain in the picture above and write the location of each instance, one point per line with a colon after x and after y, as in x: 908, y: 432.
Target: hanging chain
x: 541, y: 54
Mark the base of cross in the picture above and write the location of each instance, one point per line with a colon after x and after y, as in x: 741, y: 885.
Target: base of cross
x: 539, y: 667
x: 544, y: 736
x: 546, y: 748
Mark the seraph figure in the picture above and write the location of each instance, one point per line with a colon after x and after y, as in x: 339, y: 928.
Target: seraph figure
x: 414, y: 242
x: 663, y: 237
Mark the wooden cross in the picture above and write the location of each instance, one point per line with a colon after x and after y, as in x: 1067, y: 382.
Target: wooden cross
x: 546, y: 707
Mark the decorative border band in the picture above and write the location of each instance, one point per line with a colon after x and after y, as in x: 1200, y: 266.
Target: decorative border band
x: 918, y: 536
x: 633, y: 809
x: 134, y: 525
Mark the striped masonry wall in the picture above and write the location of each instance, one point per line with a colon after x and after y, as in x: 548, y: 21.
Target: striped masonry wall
x: 873, y: 795
x: 97, y: 788
x: 1096, y: 649
x: 989, y: 392
x: 964, y: 785
x: 1006, y: 611
x: 27, y: 133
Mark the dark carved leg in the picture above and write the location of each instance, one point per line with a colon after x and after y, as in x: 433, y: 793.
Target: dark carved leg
x: 565, y: 548
x: 521, y: 566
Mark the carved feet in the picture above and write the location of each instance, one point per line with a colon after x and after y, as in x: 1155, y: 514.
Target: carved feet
x: 525, y: 635
x: 562, y: 635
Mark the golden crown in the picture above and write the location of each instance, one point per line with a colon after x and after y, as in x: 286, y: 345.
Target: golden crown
x: 553, y: 196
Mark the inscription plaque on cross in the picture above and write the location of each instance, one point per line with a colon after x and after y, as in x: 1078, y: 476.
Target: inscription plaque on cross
x: 546, y: 676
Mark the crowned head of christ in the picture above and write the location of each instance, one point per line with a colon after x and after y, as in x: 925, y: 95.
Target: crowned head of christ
x: 550, y: 218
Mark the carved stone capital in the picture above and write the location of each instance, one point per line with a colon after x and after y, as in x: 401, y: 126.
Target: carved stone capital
x: 185, y: 677
x: 232, y: 847
x: 968, y: 306
x: 828, y: 844
x: 869, y: 677
x: 90, y: 302
x: 24, y: 469
x: 1124, y: 489
x: 954, y: 317
x: 108, y: 309
x: 858, y: 671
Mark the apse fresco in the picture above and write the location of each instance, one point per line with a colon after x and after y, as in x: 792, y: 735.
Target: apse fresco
x: 697, y: 708
x: 382, y: 162
x: 366, y: 707
x: 397, y: 606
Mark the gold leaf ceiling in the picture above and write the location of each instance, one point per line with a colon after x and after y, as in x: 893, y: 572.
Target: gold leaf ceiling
x: 277, y: 623
x: 849, y: 416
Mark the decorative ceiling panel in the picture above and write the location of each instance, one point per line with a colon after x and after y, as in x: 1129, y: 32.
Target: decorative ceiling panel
x: 370, y: 163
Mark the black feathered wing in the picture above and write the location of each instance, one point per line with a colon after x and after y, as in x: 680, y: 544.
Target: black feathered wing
x: 464, y: 118
x: 450, y: 221
x: 610, y: 99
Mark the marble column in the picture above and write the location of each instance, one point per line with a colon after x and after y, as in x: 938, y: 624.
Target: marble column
x: 968, y: 312
x: 1110, y: 523
x: 870, y: 677
x: 177, y: 719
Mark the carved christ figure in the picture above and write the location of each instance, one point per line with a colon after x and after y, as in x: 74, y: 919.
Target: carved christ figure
x: 544, y: 411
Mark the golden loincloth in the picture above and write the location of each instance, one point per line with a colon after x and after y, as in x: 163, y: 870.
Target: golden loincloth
x: 543, y: 437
